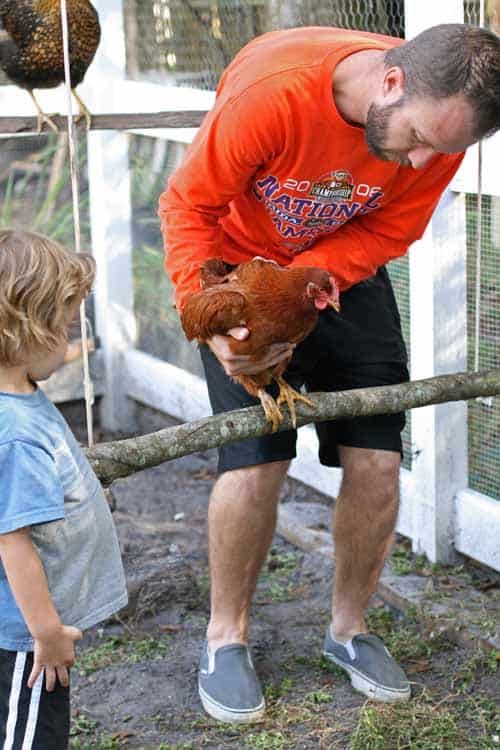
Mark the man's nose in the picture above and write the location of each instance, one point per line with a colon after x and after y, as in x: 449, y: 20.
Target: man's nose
x: 420, y: 155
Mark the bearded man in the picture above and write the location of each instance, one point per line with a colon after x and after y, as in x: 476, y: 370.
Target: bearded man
x: 327, y: 148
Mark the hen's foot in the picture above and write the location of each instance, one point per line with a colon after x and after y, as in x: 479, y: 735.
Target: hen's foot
x: 272, y: 412
x: 84, y: 110
x: 41, y: 117
x: 290, y: 396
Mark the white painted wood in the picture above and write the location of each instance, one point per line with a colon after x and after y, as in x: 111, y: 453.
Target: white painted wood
x: 477, y: 527
x: 495, y: 222
x: 466, y: 178
x: 165, y: 387
x: 422, y: 14
x: 438, y: 346
x: 66, y: 383
x: 438, y: 343
x: 110, y: 215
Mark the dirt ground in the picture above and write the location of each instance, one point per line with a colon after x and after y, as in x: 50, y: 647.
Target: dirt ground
x: 134, y: 685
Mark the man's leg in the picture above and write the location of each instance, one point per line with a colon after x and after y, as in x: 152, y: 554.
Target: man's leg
x: 242, y: 518
x: 364, y: 520
x: 241, y: 521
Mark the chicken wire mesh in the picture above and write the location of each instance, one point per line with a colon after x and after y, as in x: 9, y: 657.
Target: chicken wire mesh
x: 483, y: 306
x: 483, y: 333
x: 190, y: 42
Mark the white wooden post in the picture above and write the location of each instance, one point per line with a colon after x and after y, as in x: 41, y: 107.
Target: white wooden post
x: 438, y: 344
x: 110, y: 214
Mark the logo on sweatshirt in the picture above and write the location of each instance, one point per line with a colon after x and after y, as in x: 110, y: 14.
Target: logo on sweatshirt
x: 303, y: 210
x: 338, y: 185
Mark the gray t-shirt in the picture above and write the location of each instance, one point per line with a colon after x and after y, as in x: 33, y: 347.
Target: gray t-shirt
x: 47, y: 483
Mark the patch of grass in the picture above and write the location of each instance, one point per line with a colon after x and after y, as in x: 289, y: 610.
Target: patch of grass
x: 418, y: 726
x: 404, y: 639
x: 203, y: 582
x: 272, y: 740
x: 279, y: 592
x: 275, y: 583
x: 121, y: 650
x: 482, y: 660
x: 273, y: 692
x: 424, y: 724
x: 317, y: 697
x: 403, y: 561
x: 82, y: 724
x: 284, y: 562
x: 108, y: 742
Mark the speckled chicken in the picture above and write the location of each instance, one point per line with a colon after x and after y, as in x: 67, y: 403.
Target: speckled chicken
x: 32, y: 55
x: 276, y: 305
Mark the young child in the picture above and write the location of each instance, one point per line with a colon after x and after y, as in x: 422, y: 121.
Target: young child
x: 60, y: 565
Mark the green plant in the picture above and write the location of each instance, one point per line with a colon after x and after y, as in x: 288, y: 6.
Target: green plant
x: 82, y: 724
x: 118, y: 649
x: 273, y: 692
x: 272, y: 740
x: 317, y: 697
x: 41, y: 197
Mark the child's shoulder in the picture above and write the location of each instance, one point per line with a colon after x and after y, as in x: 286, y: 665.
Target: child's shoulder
x: 29, y: 418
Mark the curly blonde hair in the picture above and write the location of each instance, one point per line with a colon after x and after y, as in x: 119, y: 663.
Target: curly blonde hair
x: 40, y: 280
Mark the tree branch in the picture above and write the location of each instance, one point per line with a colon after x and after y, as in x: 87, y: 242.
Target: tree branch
x: 123, y: 457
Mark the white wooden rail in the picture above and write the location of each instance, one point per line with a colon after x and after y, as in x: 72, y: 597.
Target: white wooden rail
x: 438, y: 511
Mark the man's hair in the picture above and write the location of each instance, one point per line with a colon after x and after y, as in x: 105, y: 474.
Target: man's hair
x: 452, y: 59
x: 39, y: 282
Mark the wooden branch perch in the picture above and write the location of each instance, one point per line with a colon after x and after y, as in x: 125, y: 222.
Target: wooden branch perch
x: 132, y: 121
x: 123, y: 457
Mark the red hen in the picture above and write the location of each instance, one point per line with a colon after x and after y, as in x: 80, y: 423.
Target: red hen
x: 276, y: 304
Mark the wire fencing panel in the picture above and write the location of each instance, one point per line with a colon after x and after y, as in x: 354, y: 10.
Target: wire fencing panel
x: 484, y: 414
x: 191, y: 41
x: 483, y: 313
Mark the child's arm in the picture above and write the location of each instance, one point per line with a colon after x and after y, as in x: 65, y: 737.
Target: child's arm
x: 54, y: 642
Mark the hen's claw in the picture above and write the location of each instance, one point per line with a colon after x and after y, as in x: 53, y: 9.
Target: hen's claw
x: 290, y: 396
x: 84, y: 111
x: 41, y: 117
x: 271, y: 409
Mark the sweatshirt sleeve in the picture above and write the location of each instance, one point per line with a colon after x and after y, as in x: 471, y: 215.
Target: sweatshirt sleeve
x: 359, y: 247
x: 236, y: 138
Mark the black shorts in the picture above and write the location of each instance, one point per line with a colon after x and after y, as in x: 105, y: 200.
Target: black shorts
x: 30, y: 719
x: 360, y: 347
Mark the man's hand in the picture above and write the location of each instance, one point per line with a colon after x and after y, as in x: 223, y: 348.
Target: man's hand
x: 246, y: 364
x: 55, y: 653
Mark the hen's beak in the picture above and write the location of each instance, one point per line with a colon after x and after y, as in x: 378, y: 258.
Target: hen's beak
x: 334, y: 303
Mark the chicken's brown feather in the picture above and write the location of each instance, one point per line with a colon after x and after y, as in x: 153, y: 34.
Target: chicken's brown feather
x: 212, y: 311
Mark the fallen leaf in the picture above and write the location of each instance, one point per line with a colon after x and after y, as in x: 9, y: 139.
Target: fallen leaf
x: 170, y: 628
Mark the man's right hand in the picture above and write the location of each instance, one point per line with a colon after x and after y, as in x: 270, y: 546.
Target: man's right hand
x: 55, y: 652
x: 246, y: 364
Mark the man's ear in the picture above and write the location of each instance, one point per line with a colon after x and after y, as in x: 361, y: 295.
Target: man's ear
x: 393, y: 84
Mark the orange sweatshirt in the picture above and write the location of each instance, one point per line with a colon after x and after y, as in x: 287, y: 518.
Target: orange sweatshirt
x: 275, y: 171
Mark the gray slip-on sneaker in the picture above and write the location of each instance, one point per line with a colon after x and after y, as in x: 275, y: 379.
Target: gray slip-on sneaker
x: 228, y: 686
x: 370, y: 666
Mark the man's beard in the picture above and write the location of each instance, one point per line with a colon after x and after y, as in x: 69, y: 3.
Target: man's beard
x: 377, y: 125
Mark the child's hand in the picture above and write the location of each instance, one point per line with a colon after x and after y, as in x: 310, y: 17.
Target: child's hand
x: 55, y: 654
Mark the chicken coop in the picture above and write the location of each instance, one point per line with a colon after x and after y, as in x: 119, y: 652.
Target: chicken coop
x: 166, y: 56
